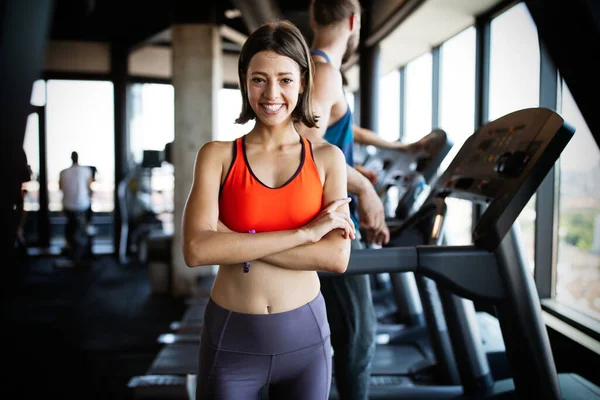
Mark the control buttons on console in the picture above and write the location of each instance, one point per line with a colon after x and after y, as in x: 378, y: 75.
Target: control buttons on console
x: 484, y: 145
x: 511, y: 164
x: 510, y: 129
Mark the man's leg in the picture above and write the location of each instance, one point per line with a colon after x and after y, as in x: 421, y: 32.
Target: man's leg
x: 353, y: 324
x: 70, y: 233
x: 80, y: 236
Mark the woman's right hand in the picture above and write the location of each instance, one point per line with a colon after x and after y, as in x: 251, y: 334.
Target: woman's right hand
x: 329, y: 219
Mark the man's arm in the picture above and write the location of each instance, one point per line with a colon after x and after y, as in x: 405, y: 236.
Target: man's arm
x: 367, y: 137
x: 370, y: 208
x: 368, y: 173
x: 371, y: 213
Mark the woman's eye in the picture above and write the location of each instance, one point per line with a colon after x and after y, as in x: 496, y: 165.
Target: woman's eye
x: 257, y: 80
x: 286, y: 80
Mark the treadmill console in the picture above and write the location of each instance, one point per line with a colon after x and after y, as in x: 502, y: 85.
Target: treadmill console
x: 405, y: 173
x: 501, y: 166
x: 391, y: 168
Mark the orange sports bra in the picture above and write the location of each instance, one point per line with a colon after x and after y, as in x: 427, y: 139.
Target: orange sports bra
x: 245, y: 203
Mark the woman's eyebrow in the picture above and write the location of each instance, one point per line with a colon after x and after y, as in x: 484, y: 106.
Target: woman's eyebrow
x: 265, y: 74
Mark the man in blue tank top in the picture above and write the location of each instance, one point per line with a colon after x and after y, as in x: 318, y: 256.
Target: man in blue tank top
x: 350, y: 309
x: 348, y: 299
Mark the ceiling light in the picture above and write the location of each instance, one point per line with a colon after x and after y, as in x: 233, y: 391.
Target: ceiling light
x: 234, y: 13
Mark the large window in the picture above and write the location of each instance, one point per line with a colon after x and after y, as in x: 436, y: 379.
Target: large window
x: 230, y: 106
x: 418, y: 98
x: 31, y: 145
x: 80, y: 117
x: 514, y: 63
x: 514, y: 85
x: 151, y: 127
x: 578, y: 269
x: 152, y: 119
x: 389, y: 106
x: 457, y: 116
x: 38, y: 93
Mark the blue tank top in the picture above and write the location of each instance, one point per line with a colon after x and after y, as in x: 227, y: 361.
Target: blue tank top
x: 340, y: 134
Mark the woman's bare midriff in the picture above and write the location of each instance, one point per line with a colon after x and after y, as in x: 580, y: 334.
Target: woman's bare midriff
x: 265, y: 289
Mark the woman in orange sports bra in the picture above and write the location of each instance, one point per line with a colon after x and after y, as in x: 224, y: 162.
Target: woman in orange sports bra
x: 271, y: 209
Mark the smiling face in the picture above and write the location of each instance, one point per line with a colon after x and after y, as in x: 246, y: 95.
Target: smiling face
x: 274, y: 84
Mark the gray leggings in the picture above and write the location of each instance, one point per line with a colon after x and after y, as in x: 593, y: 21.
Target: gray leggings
x: 287, y: 354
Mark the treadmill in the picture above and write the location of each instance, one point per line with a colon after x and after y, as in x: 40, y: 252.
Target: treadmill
x: 404, y: 347
x: 500, y: 166
x: 409, y: 175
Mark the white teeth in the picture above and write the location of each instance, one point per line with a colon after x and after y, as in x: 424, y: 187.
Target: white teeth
x: 272, y: 107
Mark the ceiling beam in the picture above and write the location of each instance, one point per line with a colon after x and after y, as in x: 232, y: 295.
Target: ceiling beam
x: 258, y: 12
x: 233, y: 35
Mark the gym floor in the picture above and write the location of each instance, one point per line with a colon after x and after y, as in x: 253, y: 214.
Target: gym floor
x: 80, y: 333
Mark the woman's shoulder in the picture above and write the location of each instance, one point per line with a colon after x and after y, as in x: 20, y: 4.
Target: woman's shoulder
x: 216, y: 150
x: 216, y: 146
x: 326, y: 149
x: 327, y: 152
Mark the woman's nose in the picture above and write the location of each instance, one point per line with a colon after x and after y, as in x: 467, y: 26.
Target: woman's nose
x: 271, y: 91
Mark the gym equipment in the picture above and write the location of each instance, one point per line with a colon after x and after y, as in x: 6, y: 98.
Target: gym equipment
x: 135, y: 204
x: 500, y: 166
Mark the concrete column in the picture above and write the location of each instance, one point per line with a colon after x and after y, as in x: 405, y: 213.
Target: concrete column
x: 197, y: 78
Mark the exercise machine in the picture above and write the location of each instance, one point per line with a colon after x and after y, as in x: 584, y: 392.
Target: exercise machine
x: 500, y: 166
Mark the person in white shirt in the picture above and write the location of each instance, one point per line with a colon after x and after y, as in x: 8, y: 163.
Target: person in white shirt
x: 76, y: 184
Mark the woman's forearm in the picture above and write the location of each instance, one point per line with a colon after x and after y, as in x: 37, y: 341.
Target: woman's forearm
x: 330, y: 254
x: 215, y: 248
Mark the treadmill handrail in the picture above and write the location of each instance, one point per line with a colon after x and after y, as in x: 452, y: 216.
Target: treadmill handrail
x: 374, y: 261
x: 466, y: 270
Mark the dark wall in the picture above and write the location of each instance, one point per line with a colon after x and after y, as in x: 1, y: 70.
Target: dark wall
x: 570, y: 30
x: 23, y: 30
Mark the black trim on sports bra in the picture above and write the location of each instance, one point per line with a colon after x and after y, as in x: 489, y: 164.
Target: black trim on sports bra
x: 233, y: 157
x: 311, y: 150
x: 302, y: 157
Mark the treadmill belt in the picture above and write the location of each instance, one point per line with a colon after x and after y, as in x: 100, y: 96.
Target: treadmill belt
x: 398, y: 360
x: 176, y: 359
x: 194, y: 314
x: 182, y: 358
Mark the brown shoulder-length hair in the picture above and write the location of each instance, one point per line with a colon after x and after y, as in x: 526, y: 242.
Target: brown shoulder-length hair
x: 284, y: 38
